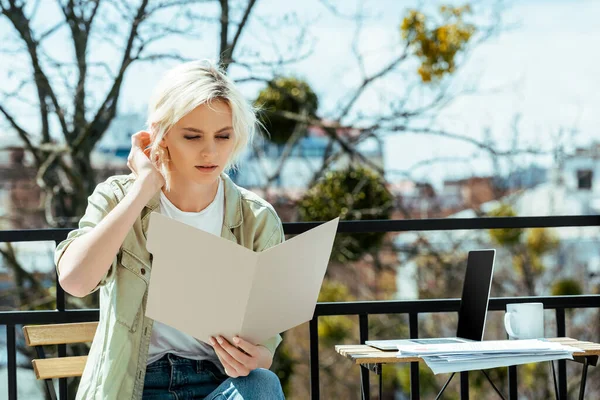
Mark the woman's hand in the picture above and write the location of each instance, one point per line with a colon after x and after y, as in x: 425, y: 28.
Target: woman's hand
x: 139, y: 162
x: 237, y: 362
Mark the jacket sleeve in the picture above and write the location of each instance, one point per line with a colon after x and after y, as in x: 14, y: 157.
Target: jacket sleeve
x: 271, y: 237
x: 100, y: 203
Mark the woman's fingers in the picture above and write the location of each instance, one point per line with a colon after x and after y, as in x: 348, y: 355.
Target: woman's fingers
x: 233, y: 366
x: 247, y: 347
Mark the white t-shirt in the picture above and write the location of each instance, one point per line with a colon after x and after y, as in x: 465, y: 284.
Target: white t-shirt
x: 166, y: 339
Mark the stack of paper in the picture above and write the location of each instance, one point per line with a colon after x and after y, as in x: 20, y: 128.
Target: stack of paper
x: 456, y: 357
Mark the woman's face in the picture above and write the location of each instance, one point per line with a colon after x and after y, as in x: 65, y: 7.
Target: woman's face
x: 201, y: 143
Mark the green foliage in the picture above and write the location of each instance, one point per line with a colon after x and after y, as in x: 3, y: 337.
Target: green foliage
x: 505, y: 236
x: 541, y: 240
x: 528, y: 246
x: 566, y: 287
x: 334, y: 329
x: 285, y: 94
x: 437, y: 46
x: 334, y: 291
x: 356, y: 193
x: 284, y: 363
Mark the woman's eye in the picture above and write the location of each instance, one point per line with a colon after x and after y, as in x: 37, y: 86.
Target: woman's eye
x: 224, y: 137
x: 191, y: 137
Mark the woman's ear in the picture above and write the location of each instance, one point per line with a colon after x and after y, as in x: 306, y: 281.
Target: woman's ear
x: 163, y: 143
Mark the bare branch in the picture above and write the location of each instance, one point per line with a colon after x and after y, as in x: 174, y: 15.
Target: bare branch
x: 231, y: 48
x: 80, y: 28
x: 45, y: 35
x: 22, y: 134
x: 224, y: 32
x: 165, y: 56
x: 299, y: 131
x: 252, y: 78
x: 368, y: 80
x: 163, y: 5
x: 16, y: 16
x: 107, y: 110
x: 476, y: 143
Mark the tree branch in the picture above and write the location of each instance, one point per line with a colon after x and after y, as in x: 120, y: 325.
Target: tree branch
x: 227, y: 59
x: 22, y: 134
x: 368, y: 80
x: 94, y: 131
x: 16, y: 16
x: 80, y: 30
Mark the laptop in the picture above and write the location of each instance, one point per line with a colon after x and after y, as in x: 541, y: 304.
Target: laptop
x: 473, y: 305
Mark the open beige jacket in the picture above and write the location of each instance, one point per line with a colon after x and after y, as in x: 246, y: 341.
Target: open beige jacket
x: 117, y: 360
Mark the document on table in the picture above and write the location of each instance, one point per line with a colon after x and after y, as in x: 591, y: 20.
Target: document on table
x: 205, y: 285
x: 456, y: 357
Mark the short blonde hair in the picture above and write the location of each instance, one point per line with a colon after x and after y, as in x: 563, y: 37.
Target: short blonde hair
x: 186, y: 87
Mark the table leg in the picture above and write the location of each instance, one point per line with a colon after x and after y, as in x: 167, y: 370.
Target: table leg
x: 364, y: 382
x: 464, y: 385
x: 493, y: 385
x: 380, y: 369
x: 583, y: 378
x: 364, y: 372
x: 439, y: 396
x: 554, y: 379
x: 513, y: 385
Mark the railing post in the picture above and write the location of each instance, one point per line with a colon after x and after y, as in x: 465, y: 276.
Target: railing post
x: 62, y: 349
x: 513, y: 385
x: 11, y: 344
x: 363, y: 332
x: 313, y: 360
x: 561, y: 331
x: 413, y: 328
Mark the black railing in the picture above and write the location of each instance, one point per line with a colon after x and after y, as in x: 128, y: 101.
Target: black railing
x: 413, y: 308
x: 12, y: 319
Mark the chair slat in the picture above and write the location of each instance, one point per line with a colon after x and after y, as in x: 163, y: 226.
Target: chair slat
x: 63, y: 367
x: 42, y: 335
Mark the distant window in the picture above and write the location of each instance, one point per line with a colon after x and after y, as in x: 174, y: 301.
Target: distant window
x: 584, y: 179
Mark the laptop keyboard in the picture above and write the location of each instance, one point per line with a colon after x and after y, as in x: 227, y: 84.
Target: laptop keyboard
x: 434, y: 341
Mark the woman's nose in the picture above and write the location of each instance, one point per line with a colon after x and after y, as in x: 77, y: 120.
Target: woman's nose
x: 209, y: 149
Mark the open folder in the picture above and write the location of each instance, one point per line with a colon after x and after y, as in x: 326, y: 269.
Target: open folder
x: 205, y: 285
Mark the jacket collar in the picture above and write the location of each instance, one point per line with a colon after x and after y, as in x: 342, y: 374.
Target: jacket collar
x: 233, y: 204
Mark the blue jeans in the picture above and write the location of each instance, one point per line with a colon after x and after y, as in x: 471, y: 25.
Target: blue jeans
x: 178, y: 378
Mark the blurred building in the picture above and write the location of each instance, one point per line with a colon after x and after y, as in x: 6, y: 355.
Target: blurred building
x: 271, y: 166
x: 573, y: 188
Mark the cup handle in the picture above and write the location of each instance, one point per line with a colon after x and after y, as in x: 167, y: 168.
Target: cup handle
x: 508, y: 327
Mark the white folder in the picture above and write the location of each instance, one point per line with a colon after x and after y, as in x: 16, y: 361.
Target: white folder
x: 205, y: 285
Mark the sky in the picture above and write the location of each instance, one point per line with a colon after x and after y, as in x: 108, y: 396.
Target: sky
x: 544, y: 68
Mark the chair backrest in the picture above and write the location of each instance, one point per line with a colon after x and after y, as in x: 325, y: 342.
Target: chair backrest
x: 45, y: 335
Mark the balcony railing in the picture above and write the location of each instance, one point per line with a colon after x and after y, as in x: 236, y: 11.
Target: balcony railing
x: 12, y: 319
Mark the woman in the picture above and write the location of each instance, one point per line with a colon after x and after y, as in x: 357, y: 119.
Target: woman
x: 199, y: 124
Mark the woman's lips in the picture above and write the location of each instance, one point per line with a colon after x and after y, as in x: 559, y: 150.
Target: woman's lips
x: 206, y: 169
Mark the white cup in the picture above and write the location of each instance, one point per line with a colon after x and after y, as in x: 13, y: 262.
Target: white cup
x: 524, y: 320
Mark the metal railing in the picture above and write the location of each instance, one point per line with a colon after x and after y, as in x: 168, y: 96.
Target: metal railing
x: 12, y: 319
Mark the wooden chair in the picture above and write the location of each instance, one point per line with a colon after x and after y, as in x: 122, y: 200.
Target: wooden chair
x: 58, y: 367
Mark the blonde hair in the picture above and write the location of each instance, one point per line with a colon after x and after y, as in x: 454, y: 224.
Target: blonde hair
x: 186, y: 87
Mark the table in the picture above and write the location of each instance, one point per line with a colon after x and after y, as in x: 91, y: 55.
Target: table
x: 372, y: 359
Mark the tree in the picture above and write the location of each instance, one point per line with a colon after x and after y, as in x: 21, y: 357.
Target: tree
x: 356, y: 193
x: 285, y: 94
x: 566, y: 287
x: 528, y: 246
x: 437, y: 47
x: 61, y: 90
x: 440, y: 42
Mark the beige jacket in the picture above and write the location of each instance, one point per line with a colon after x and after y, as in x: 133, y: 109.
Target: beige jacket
x: 117, y: 360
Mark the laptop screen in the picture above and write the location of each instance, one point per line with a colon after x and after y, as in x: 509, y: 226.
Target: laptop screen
x: 476, y: 294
